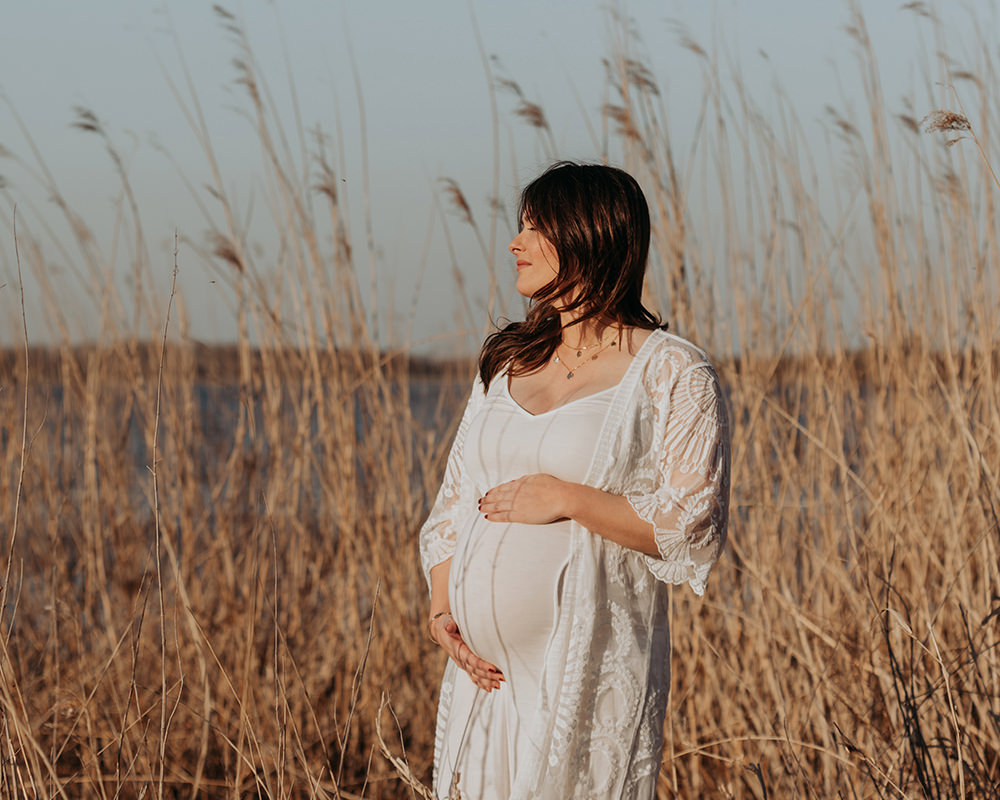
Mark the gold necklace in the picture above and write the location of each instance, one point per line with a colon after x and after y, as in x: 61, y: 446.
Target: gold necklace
x: 572, y: 370
x: 580, y: 348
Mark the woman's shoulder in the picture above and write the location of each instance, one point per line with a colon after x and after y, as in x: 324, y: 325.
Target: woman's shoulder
x: 670, y: 360
x: 663, y: 345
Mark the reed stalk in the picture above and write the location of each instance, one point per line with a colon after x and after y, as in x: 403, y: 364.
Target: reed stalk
x: 211, y: 585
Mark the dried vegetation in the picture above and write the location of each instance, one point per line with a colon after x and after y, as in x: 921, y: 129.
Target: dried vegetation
x: 210, y: 575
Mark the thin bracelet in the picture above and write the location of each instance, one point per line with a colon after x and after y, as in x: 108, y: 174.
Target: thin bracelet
x: 430, y: 624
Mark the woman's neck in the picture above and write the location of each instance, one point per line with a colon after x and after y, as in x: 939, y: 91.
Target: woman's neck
x: 584, y: 334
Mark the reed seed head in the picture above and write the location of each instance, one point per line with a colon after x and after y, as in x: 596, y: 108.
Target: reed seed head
x: 506, y: 84
x: 457, y: 198
x: 532, y: 114
x: 225, y: 249
x: 966, y: 75
x: 941, y: 120
x: 909, y: 122
x: 920, y: 9
x: 86, y: 120
x: 640, y: 76
x: 621, y: 115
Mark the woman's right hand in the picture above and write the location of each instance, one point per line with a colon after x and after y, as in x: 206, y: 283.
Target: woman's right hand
x: 444, y: 631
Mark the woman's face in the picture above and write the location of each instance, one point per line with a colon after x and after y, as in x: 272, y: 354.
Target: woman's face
x: 537, y: 262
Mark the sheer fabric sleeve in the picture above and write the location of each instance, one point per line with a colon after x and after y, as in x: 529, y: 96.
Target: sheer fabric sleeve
x: 438, y: 534
x: 686, y: 499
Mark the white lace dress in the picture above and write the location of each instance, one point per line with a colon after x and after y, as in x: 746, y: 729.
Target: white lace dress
x: 577, y: 623
x: 504, y: 584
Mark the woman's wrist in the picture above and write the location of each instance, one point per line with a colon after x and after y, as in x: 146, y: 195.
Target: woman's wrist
x: 570, y: 499
x: 432, y: 620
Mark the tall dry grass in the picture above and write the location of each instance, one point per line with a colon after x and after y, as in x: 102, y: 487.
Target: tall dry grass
x: 211, y: 578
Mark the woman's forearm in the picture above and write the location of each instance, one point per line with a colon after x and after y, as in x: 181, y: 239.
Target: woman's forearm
x: 439, y: 587
x: 608, y: 515
x: 540, y: 499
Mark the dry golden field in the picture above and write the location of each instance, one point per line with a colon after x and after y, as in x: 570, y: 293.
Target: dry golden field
x: 210, y: 582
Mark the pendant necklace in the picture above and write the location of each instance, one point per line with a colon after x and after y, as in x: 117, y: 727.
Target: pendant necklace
x: 580, y: 349
x: 579, y: 352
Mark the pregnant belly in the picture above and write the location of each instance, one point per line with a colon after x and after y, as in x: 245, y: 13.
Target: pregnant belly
x: 503, y: 588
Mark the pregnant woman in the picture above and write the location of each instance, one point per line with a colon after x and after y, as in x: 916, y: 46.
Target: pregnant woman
x: 589, y: 472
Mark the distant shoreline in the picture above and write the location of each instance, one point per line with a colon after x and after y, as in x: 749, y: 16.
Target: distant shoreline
x: 220, y: 363
x: 216, y: 363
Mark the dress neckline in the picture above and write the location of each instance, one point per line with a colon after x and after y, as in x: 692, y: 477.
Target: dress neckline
x: 613, y: 388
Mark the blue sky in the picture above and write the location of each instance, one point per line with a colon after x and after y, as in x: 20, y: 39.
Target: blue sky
x: 427, y: 111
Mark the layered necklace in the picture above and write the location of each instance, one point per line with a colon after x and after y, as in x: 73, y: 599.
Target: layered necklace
x: 582, y: 354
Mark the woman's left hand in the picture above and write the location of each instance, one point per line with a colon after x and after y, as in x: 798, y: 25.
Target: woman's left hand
x: 533, y: 499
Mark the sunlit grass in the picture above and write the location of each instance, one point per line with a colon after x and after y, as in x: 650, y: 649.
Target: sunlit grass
x: 233, y: 632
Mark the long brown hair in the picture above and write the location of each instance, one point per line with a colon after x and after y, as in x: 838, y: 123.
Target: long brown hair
x: 597, y: 220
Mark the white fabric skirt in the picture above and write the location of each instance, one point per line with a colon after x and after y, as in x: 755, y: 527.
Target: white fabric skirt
x: 504, y: 588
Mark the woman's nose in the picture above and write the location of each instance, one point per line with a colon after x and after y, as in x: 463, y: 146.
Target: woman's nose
x: 514, y: 246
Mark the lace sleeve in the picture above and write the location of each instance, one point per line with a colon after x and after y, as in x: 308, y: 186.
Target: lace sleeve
x: 686, y: 499
x: 438, y: 534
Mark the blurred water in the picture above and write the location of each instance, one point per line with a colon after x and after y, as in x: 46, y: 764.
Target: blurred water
x: 200, y: 433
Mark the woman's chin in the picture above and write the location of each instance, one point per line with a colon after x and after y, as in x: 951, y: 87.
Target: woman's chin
x: 526, y: 290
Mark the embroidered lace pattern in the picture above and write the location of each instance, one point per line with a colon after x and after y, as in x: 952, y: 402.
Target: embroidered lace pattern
x: 454, y: 498
x: 682, y: 485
